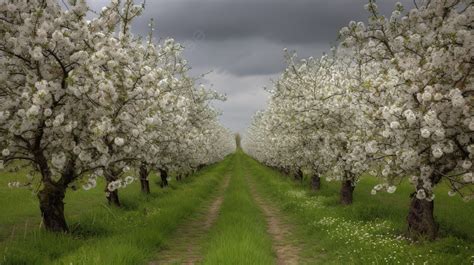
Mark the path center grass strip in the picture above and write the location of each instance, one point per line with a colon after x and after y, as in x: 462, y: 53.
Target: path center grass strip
x: 131, y: 235
x: 240, y: 233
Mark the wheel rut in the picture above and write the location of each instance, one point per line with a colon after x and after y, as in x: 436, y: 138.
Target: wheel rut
x: 287, y: 252
x: 185, y: 246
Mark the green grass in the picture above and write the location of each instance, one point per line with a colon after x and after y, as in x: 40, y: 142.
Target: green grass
x: 239, y: 235
x: 367, y: 232
x: 100, y: 234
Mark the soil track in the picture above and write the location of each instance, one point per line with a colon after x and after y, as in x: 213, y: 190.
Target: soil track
x: 281, y: 232
x: 185, y: 247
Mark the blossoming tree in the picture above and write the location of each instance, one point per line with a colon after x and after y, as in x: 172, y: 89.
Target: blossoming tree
x: 315, y: 119
x: 396, y: 99
x: 423, y: 99
x: 80, y: 99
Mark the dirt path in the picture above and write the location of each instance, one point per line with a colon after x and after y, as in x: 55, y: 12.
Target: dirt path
x: 281, y: 232
x: 185, y: 247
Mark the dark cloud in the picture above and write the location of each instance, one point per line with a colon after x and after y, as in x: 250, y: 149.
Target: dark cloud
x: 242, y: 41
x: 248, y: 56
x: 245, y: 96
x: 285, y: 21
x: 246, y: 37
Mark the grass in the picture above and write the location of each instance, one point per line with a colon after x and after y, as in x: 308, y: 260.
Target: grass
x: 239, y: 235
x: 368, y: 232
x: 371, y: 230
x: 100, y: 234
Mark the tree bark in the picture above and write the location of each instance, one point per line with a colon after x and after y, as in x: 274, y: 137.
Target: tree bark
x: 299, y: 175
x: 347, y: 190
x: 315, y: 182
x: 164, y: 177
x: 285, y: 171
x: 51, y: 196
x: 421, y: 221
x: 113, y: 198
x: 51, y: 200
x: 144, y: 183
x: 238, y: 139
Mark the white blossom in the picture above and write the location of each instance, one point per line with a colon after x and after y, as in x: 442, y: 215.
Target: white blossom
x: 6, y: 152
x: 119, y: 141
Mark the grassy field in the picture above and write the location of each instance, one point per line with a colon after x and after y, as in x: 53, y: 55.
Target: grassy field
x: 368, y: 232
x: 371, y: 230
x: 100, y: 234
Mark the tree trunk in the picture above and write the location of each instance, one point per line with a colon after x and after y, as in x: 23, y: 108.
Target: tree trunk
x: 421, y: 221
x: 347, y: 190
x: 144, y: 183
x: 164, y: 178
x: 145, y: 186
x: 179, y: 177
x: 238, y: 139
x: 315, y: 182
x: 51, y: 199
x: 113, y: 198
x: 299, y: 175
x: 285, y: 171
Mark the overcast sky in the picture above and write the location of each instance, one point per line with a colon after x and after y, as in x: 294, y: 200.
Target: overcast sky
x: 241, y: 42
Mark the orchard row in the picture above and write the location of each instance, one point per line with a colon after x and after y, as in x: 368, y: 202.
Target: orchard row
x: 82, y: 99
x: 393, y: 100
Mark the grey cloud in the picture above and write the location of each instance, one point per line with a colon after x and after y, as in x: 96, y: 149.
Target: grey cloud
x: 245, y: 97
x: 246, y: 37
x: 246, y: 57
x: 286, y: 21
x: 295, y: 21
x: 241, y: 41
